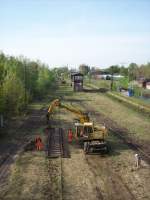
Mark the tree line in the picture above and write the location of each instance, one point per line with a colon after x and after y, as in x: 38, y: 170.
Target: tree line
x: 21, y: 81
x: 133, y: 71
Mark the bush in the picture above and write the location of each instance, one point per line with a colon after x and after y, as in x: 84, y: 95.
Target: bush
x: 123, y: 82
x: 20, y: 75
x: 13, y: 95
x: 137, y: 91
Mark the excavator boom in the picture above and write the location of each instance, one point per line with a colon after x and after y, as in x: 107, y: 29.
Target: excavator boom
x: 56, y: 103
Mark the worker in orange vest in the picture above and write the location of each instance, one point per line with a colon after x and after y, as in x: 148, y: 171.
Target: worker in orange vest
x: 70, y: 135
x: 38, y: 143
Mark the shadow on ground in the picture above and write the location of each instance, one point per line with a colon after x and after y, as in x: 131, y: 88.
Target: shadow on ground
x: 100, y: 90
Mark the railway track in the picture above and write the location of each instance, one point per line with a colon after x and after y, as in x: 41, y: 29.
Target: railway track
x: 57, y: 145
x: 4, y: 168
x: 27, y: 125
x: 8, y: 160
x: 131, y: 144
x: 122, y: 135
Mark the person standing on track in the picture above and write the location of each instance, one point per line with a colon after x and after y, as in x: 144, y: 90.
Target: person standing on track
x: 137, y: 160
x: 38, y: 143
x: 70, y: 135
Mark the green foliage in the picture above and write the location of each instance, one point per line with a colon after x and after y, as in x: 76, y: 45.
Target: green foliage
x: 137, y: 91
x: 144, y: 71
x: 13, y: 95
x: 45, y: 81
x: 124, y: 71
x: 61, y: 72
x: 133, y: 70
x: 136, y: 71
x: 114, y: 69
x: 22, y: 80
x: 1, y: 100
x: 123, y: 82
x: 84, y: 69
x: 114, y: 87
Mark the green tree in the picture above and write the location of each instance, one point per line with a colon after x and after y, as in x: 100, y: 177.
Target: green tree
x: 123, y: 82
x: 144, y: 71
x: 133, y: 71
x: 114, y: 69
x: 20, y: 76
x: 13, y: 95
x: 84, y: 69
x: 124, y: 71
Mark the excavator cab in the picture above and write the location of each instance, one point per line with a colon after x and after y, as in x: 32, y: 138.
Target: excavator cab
x: 93, y: 138
x: 84, y: 130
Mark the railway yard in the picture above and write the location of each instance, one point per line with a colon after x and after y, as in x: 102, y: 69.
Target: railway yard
x: 62, y: 170
x: 75, y: 100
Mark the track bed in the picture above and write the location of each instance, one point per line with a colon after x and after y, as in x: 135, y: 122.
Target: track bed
x: 57, y: 145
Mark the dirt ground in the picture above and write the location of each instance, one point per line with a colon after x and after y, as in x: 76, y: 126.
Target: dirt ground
x: 78, y: 180
x: 108, y: 177
x: 13, y: 143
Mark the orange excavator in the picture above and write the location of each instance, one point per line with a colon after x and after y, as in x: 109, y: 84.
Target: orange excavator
x: 93, y: 137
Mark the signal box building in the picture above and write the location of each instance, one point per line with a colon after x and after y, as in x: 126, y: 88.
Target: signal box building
x: 77, y: 81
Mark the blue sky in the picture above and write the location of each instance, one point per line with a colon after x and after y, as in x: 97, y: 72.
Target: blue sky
x: 70, y: 32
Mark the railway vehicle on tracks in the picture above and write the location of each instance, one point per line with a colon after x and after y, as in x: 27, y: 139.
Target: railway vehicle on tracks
x: 93, y: 137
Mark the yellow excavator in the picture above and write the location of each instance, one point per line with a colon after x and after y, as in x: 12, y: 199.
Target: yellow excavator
x: 93, y: 137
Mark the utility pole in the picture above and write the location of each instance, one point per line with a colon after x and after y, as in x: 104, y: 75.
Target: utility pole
x: 112, y: 78
x: 111, y: 86
x: 25, y: 86
x: 1, y: 121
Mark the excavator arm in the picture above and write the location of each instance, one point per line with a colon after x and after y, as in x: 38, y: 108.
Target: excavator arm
x: 56, y: 103
x: 93, y: 138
